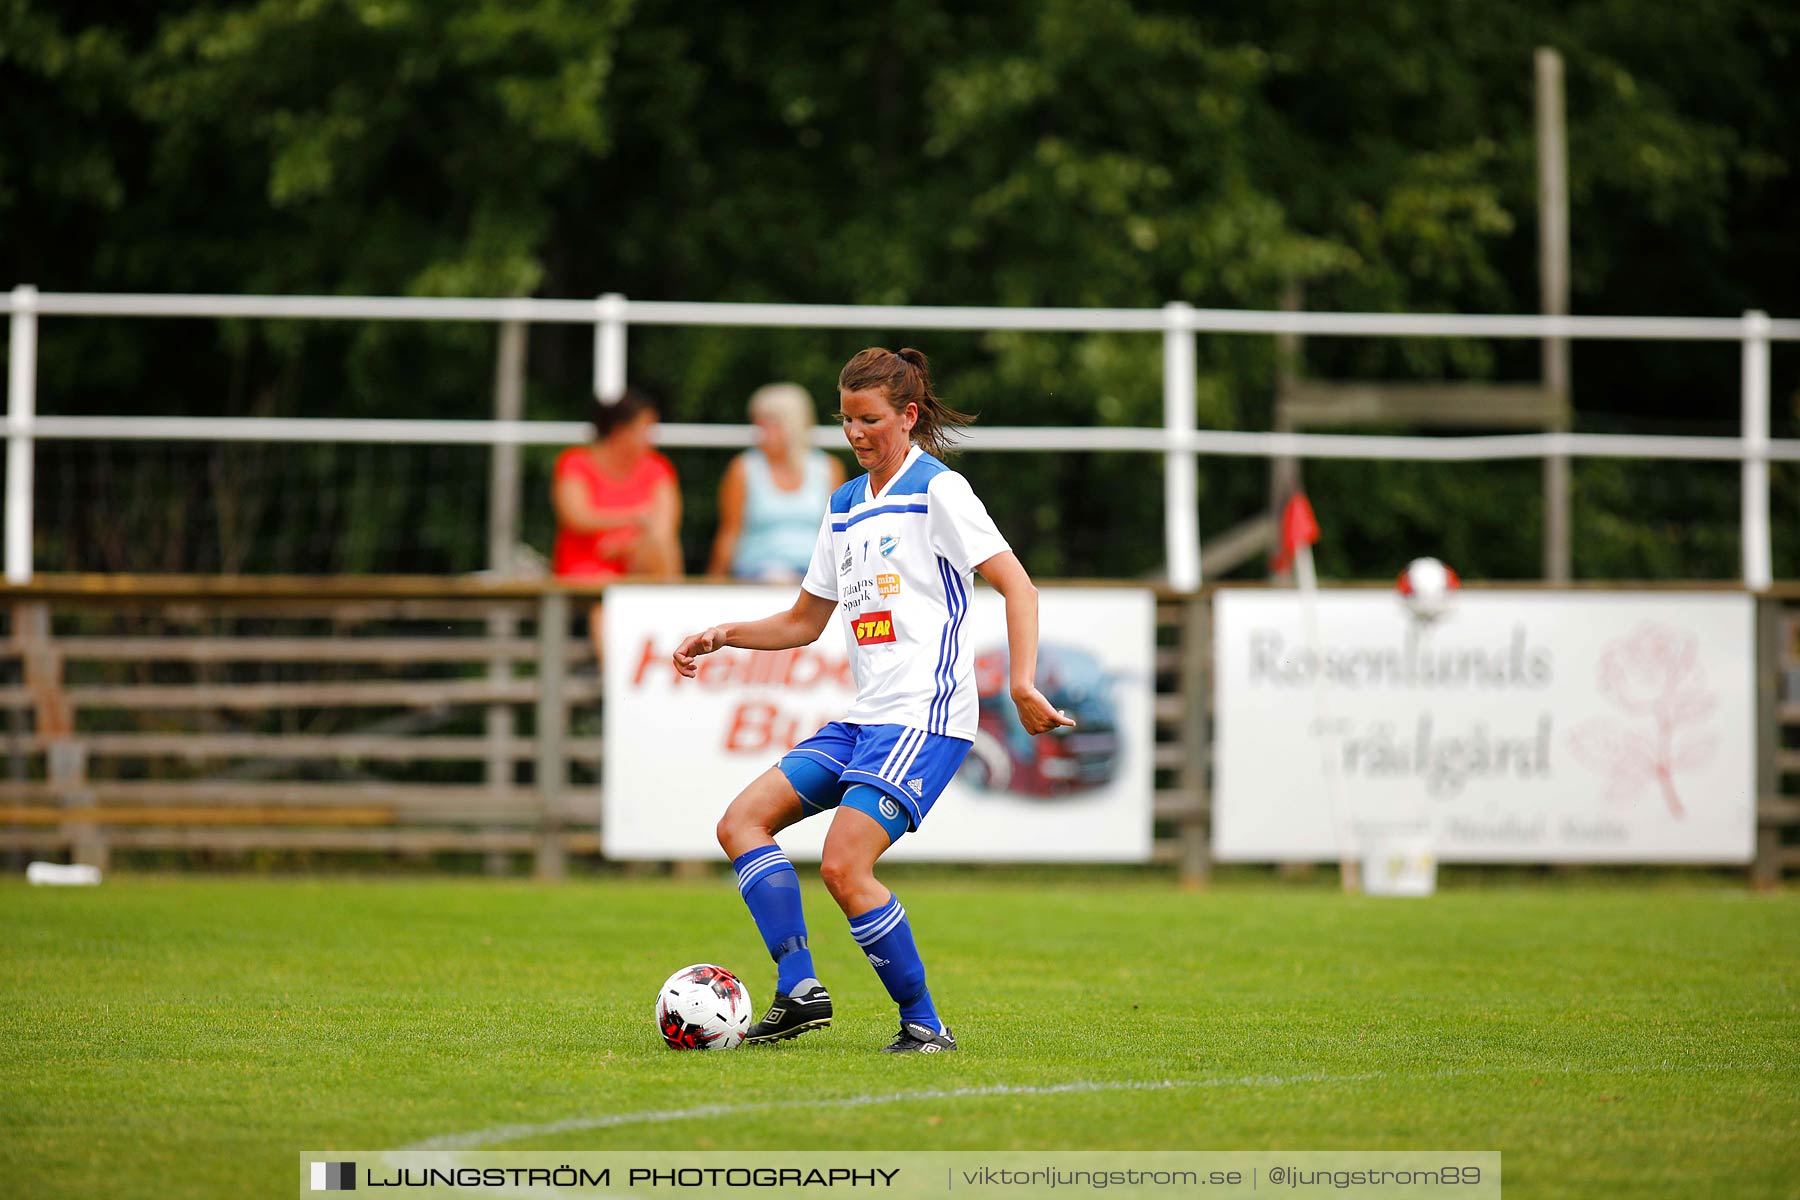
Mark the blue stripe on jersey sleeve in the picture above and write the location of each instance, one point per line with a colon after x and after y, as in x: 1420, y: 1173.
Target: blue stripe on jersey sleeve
x: 916, y: 480
x: 917, y: 477
x: 949, y: 647
x: 845, y: 496
x: 944, y: 648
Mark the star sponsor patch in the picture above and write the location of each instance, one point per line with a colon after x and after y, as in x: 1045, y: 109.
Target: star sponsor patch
x: 874, y: 627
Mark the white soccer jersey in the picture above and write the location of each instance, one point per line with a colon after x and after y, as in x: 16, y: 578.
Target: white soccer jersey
x: 900, y: 564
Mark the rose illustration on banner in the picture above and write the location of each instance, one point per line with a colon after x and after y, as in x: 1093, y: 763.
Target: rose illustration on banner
x: 1654, y: 676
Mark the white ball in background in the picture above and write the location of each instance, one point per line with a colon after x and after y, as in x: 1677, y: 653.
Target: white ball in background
x: 1427, y: 586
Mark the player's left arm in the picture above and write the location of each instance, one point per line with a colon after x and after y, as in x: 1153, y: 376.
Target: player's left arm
x: 1006, y: 574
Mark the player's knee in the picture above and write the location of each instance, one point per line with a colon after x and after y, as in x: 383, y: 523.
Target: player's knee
x: 738, y: 833
x: 842, y: 874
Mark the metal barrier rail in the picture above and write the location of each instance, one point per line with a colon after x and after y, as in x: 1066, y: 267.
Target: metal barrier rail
x: 1477, y: 448
x: 1177, y: 440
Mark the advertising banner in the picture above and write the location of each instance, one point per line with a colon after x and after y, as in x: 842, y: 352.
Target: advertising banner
x: 678, y: 750
x: 1517, y: 727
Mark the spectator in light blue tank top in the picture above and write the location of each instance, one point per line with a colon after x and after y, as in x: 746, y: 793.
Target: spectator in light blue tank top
x: 773, y: 497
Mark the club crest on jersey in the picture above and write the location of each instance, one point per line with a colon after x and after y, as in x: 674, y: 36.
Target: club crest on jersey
x: 889, y: 584
x: 888, y: 545
x: 873, y: 628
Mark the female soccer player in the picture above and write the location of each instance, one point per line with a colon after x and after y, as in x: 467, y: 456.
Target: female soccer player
x: 897, y: 550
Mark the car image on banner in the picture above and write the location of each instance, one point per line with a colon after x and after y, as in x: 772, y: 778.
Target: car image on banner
x: 1004, y: 758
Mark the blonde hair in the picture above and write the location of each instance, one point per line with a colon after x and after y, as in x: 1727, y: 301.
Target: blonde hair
x: 790, y: 406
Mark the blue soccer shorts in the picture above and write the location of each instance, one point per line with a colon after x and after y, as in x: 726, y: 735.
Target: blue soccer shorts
x: 902, y: 771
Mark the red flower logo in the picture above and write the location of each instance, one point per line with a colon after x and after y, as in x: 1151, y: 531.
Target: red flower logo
x: 1654, y: 676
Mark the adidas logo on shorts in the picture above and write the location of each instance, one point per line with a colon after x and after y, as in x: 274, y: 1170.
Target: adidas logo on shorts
x: 917, y: 786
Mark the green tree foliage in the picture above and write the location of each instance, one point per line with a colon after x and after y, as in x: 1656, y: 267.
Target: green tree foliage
x: 1060, y: 152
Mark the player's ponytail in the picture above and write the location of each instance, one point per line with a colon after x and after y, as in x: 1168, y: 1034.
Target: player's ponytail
x: 904, y: 377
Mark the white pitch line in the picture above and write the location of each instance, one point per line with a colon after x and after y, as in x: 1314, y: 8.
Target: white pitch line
x: 508, y: 1133
x: 477, y: 1138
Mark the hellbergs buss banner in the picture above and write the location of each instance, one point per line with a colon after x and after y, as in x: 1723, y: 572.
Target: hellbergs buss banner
x: 678, y: 750
x: 1517, y: 727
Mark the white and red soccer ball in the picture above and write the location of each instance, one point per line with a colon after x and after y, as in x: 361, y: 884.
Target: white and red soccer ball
x: 1428, y: 586
x: 702, y: 1007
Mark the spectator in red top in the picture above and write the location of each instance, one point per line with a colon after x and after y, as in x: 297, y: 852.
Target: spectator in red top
x: 617, y: 503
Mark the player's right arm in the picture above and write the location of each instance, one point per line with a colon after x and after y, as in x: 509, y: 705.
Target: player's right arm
x: 800, y: 625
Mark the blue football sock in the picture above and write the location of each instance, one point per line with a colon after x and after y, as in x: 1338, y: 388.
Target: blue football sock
x: 886, y: 937
x: 772, y: 890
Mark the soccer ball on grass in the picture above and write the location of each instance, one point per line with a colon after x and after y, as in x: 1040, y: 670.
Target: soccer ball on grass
x: 702, y: 1007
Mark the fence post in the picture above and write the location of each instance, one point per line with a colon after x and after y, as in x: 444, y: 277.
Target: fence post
x: 1181, y: 497
x: 1196, y: 729
x: 1758, y: 560
x: 1765, y: 870
x: 503, y: 465
x: 552, y: 730
x: 503, y: 540
x: 65, y: 758
x: 21, y: 409
x: 65, y: 762
x: 502, y: 624
x: 1553, y: 292
x: 609, y: 347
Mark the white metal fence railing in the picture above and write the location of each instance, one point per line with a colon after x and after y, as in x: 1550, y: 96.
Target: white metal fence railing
x: 1177, y: 440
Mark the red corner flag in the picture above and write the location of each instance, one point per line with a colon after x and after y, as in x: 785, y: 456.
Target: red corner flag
x: 1298, y: 528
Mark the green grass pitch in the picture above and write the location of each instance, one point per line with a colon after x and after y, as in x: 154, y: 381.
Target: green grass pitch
x: 177, y: 1037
